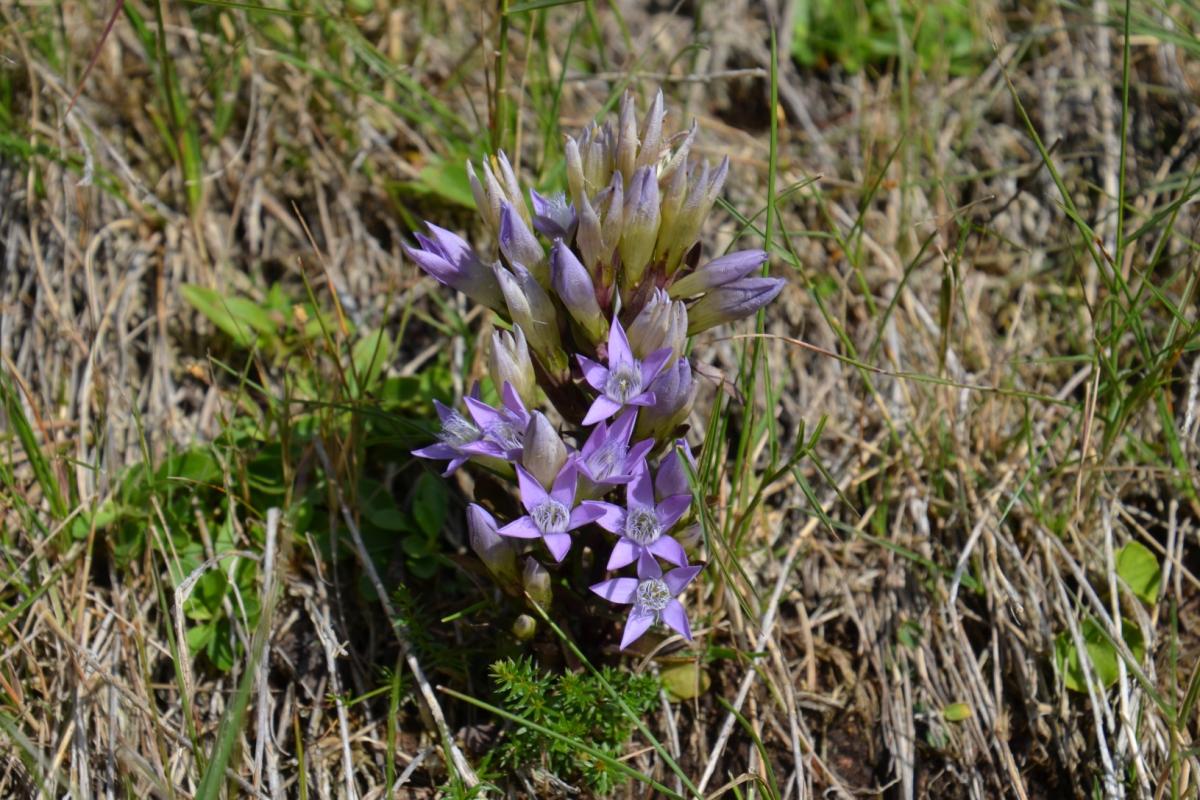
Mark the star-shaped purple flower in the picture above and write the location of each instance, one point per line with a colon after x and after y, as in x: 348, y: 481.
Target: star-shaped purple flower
x: 625, y: 380
x: 606, y: 459
x: 460, y: 437
x: 552, y: 515
x: 653, y: 596
x: 642, y: 524
x: 504, y: 426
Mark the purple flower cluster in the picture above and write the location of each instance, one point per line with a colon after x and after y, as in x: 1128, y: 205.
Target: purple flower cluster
x: 600, y: 288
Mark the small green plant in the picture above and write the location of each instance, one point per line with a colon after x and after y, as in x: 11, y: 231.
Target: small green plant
x: 869, y: 32
x: 1101, y: 652
x: 575, y: 706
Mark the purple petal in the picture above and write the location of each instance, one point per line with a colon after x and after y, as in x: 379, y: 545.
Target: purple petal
x: 624, y: 552
x: 676, y: 617
x: 584, y: 514
x: 453, y: 465
x: 512, y: 401
x: 617, y: 590
x: 602, y: 408
x: 635, y: 626
x: 559, y: 544
x: 437, y: 451
x: 622, y: 429
x: 653, y: 364
x: 643, y: 399
x: 668, y: 549
x: 618, y: 346
x: 444, y: 411
x: 672, y: 477
x: 483, y: 414
x: 640, y: 493
x: 532, y: 492
x: 638, y: 452
x: 523, y: 528
x: 484, y: 447
x: 595, y: 441
x: 433, y: 263
x: 595, y: 374
x: 670, y: 510
x: 452, y: 246
x: 611, y: 517
x: 564, y: 484
x: 679, y: 578
x: 648, y: 568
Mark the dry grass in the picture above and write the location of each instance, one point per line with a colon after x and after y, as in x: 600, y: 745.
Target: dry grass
x: 1002, y: 415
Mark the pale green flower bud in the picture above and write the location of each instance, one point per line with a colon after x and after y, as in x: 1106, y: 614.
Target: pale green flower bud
x: 640, y: 226
x: 651, y: 134
x: 661, y: 323
x: 508, y: 362
x: 512, y: 188
x: 531, y: 308
x: 495, y: 551
x: 488, y: 195
x: 612, y: 215
x: 575, y: 177
x: 544, y: 452
x: 674, y: 191
x: 537, y: 583
x: 627, y: 137
x: 589, y: 237
x: 524, y: 628
x: 597, y: 166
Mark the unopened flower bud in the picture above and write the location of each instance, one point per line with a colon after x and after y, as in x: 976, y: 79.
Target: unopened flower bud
x: 451, y: 261
x: 612, y: 214
x: 576, y: 183
x: 627, y: 136
x: 531, y: 308
x: 589, y: 238
x: 690, y: 537
x: 520, y: 246
x: 544, y: 453
x: 495, y: 551
x: 508, y: 362
x: 512, y: 187
x: 524, y: 628
x: 536, y: 581
x: 488, y: 195
x: 577, y: 292
x: 661, y: 323
x: 640, y: 226
x: 731, y: 302
x: 674, y: 393
x: 672, y: 476
x: 553, y: 217
x: 651, y: 134
x: 674, y: 191
x: 597, y: 163
x: 718, y: 272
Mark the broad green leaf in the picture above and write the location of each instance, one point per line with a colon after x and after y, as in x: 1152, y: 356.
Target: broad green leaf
x: 1100, y: 651
x: 429, y: 501
x: 237, y: 317
x: 1138, y: 567
x: 448, y: 180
